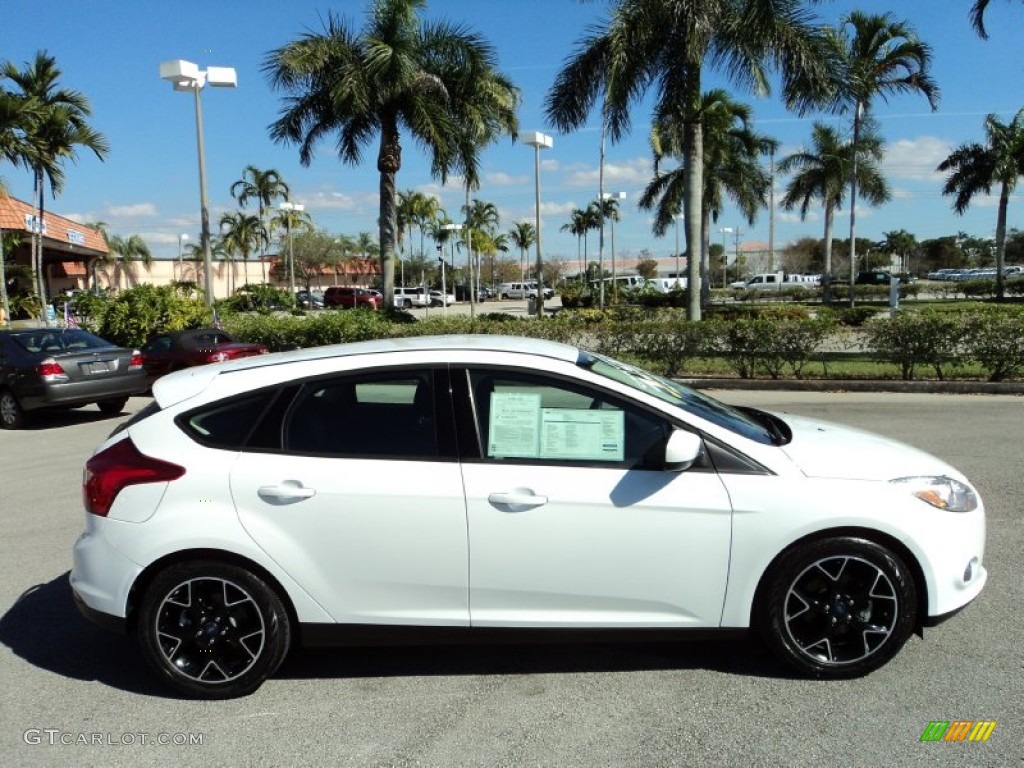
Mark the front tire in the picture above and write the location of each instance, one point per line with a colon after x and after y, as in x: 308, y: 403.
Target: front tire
x: 212, y: 630
x: 12, y: 415
x: 838, y: 608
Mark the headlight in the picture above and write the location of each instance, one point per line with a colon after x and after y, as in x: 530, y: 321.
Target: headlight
x: 941, y: 492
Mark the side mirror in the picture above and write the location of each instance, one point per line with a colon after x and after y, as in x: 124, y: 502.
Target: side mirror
x: 682, y: 450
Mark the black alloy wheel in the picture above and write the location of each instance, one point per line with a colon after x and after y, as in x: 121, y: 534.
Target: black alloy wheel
x: 838, y: 608
x: 213, y: 631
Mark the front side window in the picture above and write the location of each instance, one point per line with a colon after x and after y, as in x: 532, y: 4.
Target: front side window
x: 530, y: 418
x: 390, y: 414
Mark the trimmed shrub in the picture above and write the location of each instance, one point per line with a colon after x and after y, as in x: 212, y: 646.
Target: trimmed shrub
x: 995, y: 340
x: 918, y: 338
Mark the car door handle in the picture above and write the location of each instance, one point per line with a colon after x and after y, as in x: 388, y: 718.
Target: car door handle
x: 518, y: 498
x: 284, y: 491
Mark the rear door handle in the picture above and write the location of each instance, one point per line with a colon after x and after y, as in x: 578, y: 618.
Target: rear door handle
x: 518, y: 498
x: 289, y: 489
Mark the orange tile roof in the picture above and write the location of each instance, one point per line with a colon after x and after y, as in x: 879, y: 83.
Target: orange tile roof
x: 18, y: 215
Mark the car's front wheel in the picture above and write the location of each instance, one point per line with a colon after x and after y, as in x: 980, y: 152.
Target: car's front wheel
x: 838, y: 608
x: 213, y: 630
x: 12, y: 415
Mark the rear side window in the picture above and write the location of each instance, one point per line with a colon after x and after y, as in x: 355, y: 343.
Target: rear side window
x: 227, y: 424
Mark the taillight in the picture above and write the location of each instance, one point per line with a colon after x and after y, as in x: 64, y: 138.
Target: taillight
x: 119, y: 466
x: 218, y: 357
x: 50, y: 370
x: 136, y: 361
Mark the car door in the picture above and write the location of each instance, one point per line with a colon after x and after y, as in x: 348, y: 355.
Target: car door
x: 572, y: 520
x: 364, y: 506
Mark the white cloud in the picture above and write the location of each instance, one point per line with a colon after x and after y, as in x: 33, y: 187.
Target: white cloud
x: 916, y: 159
x: 632, y: 173
x: 501, y: 179
x: 129, y: 211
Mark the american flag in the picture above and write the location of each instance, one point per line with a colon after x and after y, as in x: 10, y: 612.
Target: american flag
x: 70, y: 321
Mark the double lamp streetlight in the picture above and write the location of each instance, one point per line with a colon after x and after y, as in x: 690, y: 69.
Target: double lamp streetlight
x: 187, y: 76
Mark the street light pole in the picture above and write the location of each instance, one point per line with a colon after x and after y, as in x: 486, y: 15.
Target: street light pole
x: 186, y: 76
x: 676, y: 218
x: 538, y: 141
x: 451, y: 229
x: 725, y: 257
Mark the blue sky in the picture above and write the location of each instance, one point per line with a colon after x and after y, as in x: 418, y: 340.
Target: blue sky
x: 111, y: 51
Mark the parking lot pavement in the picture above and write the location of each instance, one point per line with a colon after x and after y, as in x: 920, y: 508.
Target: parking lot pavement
x: 703, y: 703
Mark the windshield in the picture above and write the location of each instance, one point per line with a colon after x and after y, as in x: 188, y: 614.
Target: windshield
x: 56, y: 340
x: 674, y: 393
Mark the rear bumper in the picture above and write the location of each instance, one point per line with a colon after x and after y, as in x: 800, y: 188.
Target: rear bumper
x: 83, y: 392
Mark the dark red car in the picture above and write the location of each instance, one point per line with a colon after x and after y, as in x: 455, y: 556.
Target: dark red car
x: 348, y: 297
x: 174, y: 350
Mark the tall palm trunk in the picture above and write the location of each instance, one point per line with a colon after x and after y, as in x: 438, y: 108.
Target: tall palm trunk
x: 827, y: 287
x: 389, y: 161
x: 693, y: 186
x: 705, y: 258
x: 853, y: 204
x: 1004, y: 199
x: 37, y: 244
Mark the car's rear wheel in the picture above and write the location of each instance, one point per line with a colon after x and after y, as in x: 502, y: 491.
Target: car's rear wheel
x: 112, y: 406
x: 838, y: 608
x: 12, y: 415
x: 213, y: 630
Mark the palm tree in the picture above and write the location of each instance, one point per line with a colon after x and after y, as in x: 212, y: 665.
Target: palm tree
x: 243, y: 233
x: 435, y: 81
x: 732, y: 167
x: 664, y: 45
x: 822, y: 173
x: 128, y: 250
x: 975, y: 168
x: 425, y: 211
x: 290, y: 223
x: 266, y: 187
x: 978, y: 18
x: 900, y: 242
x: 522, y: 236
x: 578, y: 225
x: 875, y: 57
x: 53, y: 122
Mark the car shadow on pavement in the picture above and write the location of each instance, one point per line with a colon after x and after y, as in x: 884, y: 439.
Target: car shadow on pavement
x: 44, y: 628
x: 745, y: 657
x: 66, y: 417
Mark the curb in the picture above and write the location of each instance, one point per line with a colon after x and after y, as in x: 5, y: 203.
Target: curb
x: 854, y: 385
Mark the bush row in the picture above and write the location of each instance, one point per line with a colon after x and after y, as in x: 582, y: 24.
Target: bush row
x: 773, y: 341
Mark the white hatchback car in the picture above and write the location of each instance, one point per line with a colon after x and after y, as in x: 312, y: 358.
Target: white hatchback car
x: 451, y: 488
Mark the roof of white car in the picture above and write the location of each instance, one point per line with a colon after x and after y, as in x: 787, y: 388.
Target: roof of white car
x: 180, y: 385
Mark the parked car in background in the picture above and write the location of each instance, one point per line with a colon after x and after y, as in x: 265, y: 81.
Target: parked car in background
x: 407, y: 297
x: 350, y: 297
x: 873, y: 277
x: 455, y: 488
x: 55, y: 367
x: 173, y: 350
x: 437, y: 299
x: 313, y: 299
x: 527, y: 290
x: 776, y: 281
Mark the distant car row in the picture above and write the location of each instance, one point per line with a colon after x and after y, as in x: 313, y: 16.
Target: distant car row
x: 987, y: 273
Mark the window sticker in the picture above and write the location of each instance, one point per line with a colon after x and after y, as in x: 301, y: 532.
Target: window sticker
x: 514, y: 429
x: 582, y: 435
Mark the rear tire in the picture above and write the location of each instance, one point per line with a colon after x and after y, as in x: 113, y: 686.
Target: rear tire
x: 12, y: 415
x: 838, y: 608
x: 213, y: 630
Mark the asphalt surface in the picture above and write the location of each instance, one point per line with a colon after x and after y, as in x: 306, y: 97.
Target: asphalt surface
x: 702, y: 703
